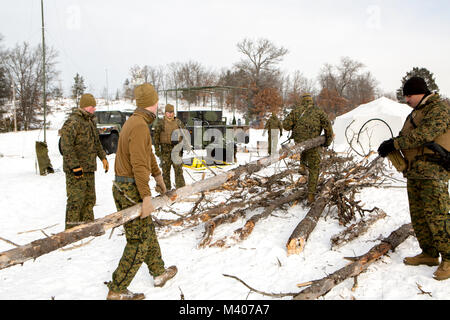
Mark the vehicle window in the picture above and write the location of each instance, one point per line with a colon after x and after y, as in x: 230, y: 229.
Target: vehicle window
x: 102, y: 117
x: 115, y: 117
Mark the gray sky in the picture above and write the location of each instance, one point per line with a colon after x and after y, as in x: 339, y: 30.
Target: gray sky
x: 389, y: 37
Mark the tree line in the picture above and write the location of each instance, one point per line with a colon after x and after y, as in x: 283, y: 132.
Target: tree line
x: 263, y: 86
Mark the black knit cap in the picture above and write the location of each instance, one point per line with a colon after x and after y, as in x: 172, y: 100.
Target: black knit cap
x: 415, y: 85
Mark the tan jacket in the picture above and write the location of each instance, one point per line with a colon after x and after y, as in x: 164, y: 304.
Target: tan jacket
x: 134, y: 156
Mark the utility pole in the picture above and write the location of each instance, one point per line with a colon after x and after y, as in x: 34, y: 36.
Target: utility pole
x: 43, y: 71
x: 45, y: 165
x: 107, y: 89
x: 14, y: 103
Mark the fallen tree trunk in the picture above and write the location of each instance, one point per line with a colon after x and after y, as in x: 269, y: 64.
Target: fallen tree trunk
x: 301, y: 233
x: 356, y: 229
x: 230, y: 217
x: 98, y: 227
x: 320, y: 287
x: 244, y: 232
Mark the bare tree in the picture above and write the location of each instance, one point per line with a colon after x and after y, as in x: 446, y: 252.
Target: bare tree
x: 25, y: 66
x: 260, y: 67
x: 298, y: 86
x: 261, y: 58
x: 347, y: 81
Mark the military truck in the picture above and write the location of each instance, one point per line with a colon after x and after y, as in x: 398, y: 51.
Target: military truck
x: 109, y: 124
x: 199, y: 122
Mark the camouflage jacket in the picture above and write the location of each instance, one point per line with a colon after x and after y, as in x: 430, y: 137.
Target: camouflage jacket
x: 307, y: 122
x: 273, y: 123
x: 80, y: 142
x: 435, y: 122
x: 160, y: 128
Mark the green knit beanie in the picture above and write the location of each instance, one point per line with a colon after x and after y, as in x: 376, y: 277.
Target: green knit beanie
x: 87, y: 100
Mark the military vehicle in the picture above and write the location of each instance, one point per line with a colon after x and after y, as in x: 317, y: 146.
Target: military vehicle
x: 207, y: 126
x: 199, y: 122
x: 109, y: 124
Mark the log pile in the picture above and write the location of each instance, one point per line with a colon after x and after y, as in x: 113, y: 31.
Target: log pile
x: 245, y: 190
x: 98, y: 227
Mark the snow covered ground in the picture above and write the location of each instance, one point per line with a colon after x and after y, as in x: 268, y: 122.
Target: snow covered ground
x: 31, y: 202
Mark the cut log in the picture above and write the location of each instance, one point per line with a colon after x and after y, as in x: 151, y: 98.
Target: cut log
x: 320, y: 287
x: 301, y: 233
x: 356, y: 229
x: 98, y: 227
x: 244, y: 232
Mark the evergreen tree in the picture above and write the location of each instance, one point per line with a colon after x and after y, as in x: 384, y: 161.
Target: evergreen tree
x: 418, y: 72
x: 78, y: 89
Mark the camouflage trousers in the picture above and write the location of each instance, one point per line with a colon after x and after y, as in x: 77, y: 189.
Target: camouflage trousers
x: 167, y: 164
x: 429, y: 207
x: 311, y: 160
x: 142, y: 243
x: 80, y: 199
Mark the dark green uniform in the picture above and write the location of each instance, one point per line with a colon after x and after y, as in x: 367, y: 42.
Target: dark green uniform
x: 80, y: 146
x: 273, y: 123
x: 163, y: 149
x: 427, y: 182
x: 307, y: 122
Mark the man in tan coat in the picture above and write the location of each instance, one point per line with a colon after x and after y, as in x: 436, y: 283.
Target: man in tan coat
x: 134, y: 164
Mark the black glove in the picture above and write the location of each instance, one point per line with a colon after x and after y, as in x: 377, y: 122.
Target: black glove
x: 78, y: 172
x: 386, y: 147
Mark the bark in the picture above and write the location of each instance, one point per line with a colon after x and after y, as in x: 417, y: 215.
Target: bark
x: 244, y: 232
x: 356, y: 229
x: 98, y: 227
x: 301, y: 233
x: 320, y: 287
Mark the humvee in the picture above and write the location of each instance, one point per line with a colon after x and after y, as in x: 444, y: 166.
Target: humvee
x: 109, y: 124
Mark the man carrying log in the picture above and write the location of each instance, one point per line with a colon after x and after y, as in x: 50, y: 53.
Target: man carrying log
x: 134, y: 163
x: 425, y: 143
x: 306, y: 122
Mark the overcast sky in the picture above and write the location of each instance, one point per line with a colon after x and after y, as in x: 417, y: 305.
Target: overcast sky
x: 98, y: 37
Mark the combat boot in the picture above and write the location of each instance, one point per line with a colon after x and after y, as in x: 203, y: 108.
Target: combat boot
x: 443, y: 272
x: 168, y: 274
x: 420, y: 259
x: 124, y: 295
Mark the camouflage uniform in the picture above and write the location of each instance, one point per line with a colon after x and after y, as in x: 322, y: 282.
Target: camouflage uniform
x: 163, y: 149
x: 307, y: 122
x: 80, y: 145
x: 427, y: 182
x: 272, y: 124
x: 142, y: 243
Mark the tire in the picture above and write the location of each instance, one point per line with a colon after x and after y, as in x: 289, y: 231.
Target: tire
x: 111, y: 143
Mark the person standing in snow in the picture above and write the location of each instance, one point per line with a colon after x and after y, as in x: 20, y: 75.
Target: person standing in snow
x: 134, y: 164
x: 80, y: 145
x: 273, y: 123
x: 164, y: 146
x: 307, y: 122
x: 425, y: 143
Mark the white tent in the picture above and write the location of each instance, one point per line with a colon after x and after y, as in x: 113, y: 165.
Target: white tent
x: 347, y: 127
